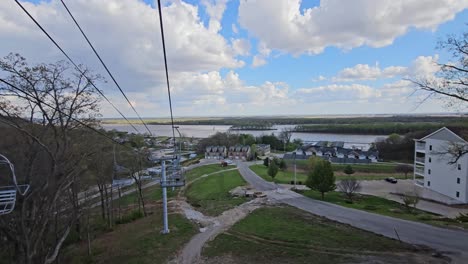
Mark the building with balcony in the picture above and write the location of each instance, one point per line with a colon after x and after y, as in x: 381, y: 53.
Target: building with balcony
x: 435, y: 167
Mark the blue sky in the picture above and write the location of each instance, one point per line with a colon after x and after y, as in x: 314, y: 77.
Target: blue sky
x: 252, y: 57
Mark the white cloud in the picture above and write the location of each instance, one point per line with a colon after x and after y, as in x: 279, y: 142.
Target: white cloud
x: 366, y: 72
x: 422, y: 66
x: 215, y: 9
x: 130, y: 46
x: 235, y: 30
x: 241, y: 47
x: 258, y: 60
x: 335, y: 92
x: 343, y: 24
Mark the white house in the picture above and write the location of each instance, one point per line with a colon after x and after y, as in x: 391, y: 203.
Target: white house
x: 432, y: 168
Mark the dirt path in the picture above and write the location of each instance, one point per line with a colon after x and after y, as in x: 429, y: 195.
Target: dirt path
x: 210, y: 227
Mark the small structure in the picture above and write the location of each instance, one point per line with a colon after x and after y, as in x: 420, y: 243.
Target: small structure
x: 436, y: 166
x: 215, y: 152
x: 239, y: 152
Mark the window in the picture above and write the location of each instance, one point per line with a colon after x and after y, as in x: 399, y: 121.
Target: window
x: 430, y: 147
x: 458, y: 194
x: 430, y: 160
x: 429, y: 171
x: 428, y: 183
x: 458, y: 180
x: 459, y: 166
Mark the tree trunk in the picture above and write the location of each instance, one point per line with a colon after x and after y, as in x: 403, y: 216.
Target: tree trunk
x: 323, y: 195
x: 103, y: 206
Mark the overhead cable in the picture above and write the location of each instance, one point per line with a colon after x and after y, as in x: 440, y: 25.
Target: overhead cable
x: 76, y: 66
x: 105, y: 66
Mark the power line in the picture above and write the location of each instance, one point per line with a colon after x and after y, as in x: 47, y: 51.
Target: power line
x: 167, y: 72
x: 74, y: 64
x: 105, y: 66
x: 60, y: 111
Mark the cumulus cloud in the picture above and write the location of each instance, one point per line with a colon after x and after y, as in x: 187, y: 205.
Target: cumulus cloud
x: 125, y: 32
x: 258, y: 60
x: 241, y: 47
x: 335, y: 92
x: 342, y: 24
x: 422, y: 66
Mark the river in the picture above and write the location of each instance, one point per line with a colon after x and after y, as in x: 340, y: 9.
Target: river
x: 203, y: 131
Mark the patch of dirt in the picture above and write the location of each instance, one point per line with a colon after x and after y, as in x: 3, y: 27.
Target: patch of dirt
x: 211, y: 226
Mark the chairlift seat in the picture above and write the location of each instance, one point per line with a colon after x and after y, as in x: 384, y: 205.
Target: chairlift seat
x: 7, y: 199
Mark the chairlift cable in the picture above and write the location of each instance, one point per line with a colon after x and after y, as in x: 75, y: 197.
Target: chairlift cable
x: 74, y: 64
x: 105, y: 66
x: 167, y: 71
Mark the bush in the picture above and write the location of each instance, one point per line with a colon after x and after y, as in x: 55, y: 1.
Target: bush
x: 130, y: 217
x: 424, y: 217
x: 370, y: 207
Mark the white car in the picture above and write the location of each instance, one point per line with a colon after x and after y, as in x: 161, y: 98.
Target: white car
x: 228, y: 161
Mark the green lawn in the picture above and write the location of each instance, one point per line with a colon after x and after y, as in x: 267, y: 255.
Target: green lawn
x: 366, y: 168
x: 136, y: 242
x: 192, y: 174
x: 289, y: 235
x: 150, y: 194
x: 288, y: 176
x: 211, y: 194
x: 386, y: 207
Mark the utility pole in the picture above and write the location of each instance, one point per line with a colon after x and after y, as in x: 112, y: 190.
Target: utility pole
x: 294, y: 155
x: 164, y: 194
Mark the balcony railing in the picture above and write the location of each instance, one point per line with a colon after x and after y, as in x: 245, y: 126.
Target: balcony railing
x: 420, y: 159
x: 419, y: 170
x: 420, y: 146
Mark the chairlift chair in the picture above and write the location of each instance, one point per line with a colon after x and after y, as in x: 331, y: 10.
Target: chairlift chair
x: 174, y: 175
x: 8, y: 193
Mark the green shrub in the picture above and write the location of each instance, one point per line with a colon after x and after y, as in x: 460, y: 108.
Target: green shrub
x: 424, y: 217
x: 370, y: 207
x: 130, y: 217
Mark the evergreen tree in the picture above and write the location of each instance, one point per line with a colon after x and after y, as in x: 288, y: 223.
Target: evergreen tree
x: 321, y: 178
x: 348, y: 170
x: 272, y: 170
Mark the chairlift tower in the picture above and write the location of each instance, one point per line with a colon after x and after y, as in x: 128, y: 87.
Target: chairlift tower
x: 173, y: 176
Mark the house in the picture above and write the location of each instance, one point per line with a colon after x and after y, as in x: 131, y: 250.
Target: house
x: 263, y: 149
x: 215, y: 152
x: 437, y: 169
x: 239, y: 152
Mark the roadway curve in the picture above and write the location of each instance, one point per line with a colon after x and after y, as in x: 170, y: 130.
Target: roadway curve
x: 452, y: 242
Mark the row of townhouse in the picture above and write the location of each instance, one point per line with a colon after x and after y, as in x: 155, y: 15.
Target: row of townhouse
x: 339, y: 153
x: 233, y: 152
x: 436, y: 166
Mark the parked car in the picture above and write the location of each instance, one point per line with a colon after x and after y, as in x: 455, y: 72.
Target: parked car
x: 391, y: 180
x: 228, y: 161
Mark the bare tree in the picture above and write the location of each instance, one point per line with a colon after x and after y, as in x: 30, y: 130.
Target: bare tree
x: 410, y: 200
x: 49, y: 149
x: 403, y: 168
x: 285, y: 135
x: 349, y: 187
x: 451, y: 82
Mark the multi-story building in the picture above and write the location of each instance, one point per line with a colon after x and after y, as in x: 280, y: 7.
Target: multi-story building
x: 263, y: 149
x: 435, y: 167
x: 215, y: 152
x: 239, y: 152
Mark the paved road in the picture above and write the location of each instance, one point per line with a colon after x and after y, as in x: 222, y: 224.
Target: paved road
x: 453, y: 241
